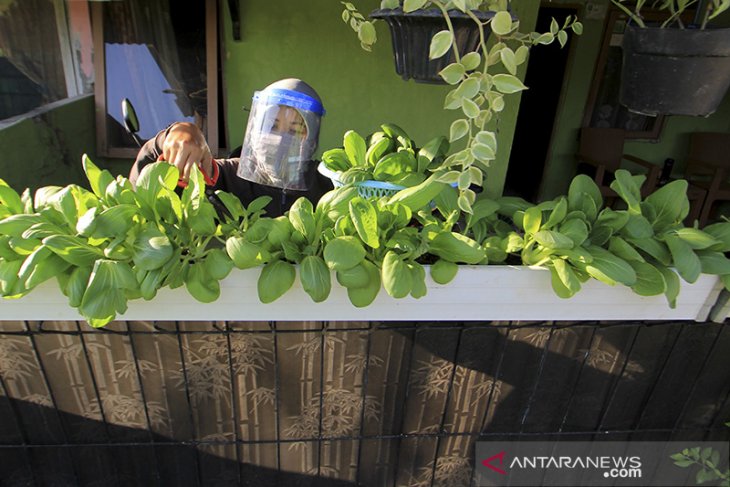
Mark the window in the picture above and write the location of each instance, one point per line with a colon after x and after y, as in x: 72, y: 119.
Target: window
x: 159, y: 54
x: 45, y: 53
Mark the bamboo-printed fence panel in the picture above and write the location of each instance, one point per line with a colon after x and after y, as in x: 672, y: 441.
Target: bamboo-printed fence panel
x: 338, y: 403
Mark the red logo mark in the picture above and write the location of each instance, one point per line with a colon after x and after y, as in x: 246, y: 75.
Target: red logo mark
x: 487, y: 463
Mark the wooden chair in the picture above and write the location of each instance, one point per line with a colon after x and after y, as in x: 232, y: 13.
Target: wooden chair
x: 707, y: 167
x: 601, y: 152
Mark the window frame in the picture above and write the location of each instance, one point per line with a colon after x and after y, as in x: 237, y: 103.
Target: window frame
x: 103, y: 147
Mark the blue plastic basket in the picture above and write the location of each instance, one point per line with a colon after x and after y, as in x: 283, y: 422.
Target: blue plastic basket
x: 366, y: 189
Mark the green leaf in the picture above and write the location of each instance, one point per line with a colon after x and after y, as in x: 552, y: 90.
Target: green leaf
x: 200, y: 284
x: 626, y: 187
x: 98, y: 179
x: 245, y: 254
x: 713, y: 262
x: 395, y: 165
x: 73, y: 250
x: 609, y: 268
x: 105, y: 294
x: 567, y: 276
x: 471, y: 61
x: 39, y: 266
x: 440, y: 44
x: 562, y: 38
x: 575, y: 229
x: 577, y: 28
x: 469, y: 88
x: 365, y: 220
x: 456, y: 247
x: 532, y: 220
x: 396, y: 276
x: 615, y: 220
x: 483, y: 152
x: 411, y: 5
x: 76, y: 285
x: 459, y: 128
x: 668, y: 202
x: 697, y: 239
x: 453, y: 73
x: 558, y: 214
x: 364, y: 295
x: 637, y: 227
x: 301, y: 216
x: 653, y: 248
x: 685, y: 260
x: 315, y: 278
x: 15, y: 225
x: 114, y: 221
x: 470, y: 108
x: 10, y: 198
x: 355, y: 148
x: 507, y: 84
x: 623, y: 249
x: 721, y: 232
x: 9, y: 278
x: 509, y: 61
x: 152, y: 248
x: 582, y: 186
x: 443, y: 271
x: 258, y: 204
x: 501, y: 23
x: 232, y: 203
x: 217, y: 264
x: 553, y: 240
x: 343, y: 253
x: 418, y: 278
x: 366, y: 33
x: 649, y: 280
x: 276, y: 278
x: 354, y: 277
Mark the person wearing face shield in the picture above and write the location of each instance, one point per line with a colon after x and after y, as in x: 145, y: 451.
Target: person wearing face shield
x: 276, y: 156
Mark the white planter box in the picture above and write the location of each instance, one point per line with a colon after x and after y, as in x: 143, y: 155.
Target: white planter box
x: 478, y: 293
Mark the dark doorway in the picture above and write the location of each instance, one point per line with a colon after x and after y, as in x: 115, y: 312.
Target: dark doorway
x: 545, y: 73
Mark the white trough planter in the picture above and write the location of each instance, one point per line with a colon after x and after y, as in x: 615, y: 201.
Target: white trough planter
x: 478, y: 293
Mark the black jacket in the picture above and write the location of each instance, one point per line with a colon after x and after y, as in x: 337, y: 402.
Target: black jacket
x: 245, y: 190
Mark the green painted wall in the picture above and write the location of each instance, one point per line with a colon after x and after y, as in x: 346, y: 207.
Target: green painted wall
x: 560, y: 164
x: 45, y: 147
x: 360, y: 90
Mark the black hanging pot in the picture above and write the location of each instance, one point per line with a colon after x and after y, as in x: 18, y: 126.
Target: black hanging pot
x: 412, y: 33
x: 674, y: 71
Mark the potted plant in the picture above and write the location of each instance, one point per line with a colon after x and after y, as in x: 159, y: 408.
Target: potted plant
x: 114, y: 245
x: 412, y: 25
x: 671, y: 68
x: 482, y: 79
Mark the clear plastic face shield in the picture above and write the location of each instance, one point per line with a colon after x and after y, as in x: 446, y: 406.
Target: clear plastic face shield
x: 281, y: 137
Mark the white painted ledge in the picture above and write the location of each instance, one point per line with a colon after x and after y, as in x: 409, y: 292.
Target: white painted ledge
x: 478, y: 293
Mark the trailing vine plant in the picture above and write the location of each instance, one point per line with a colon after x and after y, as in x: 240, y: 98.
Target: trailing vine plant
x: 481, y: 79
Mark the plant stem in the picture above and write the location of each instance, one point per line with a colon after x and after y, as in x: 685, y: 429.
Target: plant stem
x: 631, y: 14
x: 445, y: 13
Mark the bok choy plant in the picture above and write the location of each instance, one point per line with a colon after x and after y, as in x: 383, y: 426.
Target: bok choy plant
x: 117, y: 243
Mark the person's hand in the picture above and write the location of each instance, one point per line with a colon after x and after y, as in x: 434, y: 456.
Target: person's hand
x: 184, y: 147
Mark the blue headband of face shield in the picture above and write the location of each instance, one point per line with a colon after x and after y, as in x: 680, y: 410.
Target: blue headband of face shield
x: 290, y: 98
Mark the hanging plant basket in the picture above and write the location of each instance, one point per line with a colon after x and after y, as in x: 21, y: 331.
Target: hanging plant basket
x: 412, y: 33
x: 675, y: 71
